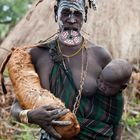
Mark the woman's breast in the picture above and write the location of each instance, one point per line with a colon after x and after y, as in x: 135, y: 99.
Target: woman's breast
x: 89, y: 82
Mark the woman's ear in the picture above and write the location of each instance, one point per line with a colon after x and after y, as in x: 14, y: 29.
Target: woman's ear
x: 123, y: 86
x: 86, y: 11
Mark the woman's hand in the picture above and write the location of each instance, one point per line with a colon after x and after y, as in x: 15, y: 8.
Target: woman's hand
x: 46, y: 117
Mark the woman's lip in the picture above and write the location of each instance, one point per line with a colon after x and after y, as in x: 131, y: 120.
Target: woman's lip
x: 70, y: 28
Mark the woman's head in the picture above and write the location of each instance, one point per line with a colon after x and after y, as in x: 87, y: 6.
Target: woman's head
x: 70, y: 16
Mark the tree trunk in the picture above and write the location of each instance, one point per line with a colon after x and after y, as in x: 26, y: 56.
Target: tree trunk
x: 115, y: 25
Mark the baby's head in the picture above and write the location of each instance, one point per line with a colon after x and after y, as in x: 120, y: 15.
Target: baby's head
x: 115, y: 76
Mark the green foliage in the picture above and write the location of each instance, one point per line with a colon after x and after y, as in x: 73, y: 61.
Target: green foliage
x: 26, y: 132
x: 133, y: 121
x: 131, y: 124
x: 11, y: 11
x: 131, y: 115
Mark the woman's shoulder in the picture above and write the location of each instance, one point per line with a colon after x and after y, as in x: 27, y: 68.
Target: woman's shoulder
x: 103, y: 55
x: 41, y: 51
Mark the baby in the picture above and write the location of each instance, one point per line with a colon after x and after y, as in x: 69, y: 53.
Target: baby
x: 114, y: 77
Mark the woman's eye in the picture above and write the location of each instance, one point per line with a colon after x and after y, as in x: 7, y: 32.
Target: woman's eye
x: 65, y: 12
x: 78, y: 14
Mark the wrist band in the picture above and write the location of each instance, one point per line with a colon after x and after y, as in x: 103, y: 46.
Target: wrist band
x: 23, y: 116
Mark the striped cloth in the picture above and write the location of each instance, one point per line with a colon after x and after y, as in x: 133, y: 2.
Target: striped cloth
x: 98, y: 115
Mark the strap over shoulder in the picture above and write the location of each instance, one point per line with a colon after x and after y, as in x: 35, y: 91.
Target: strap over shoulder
x: 2, y: 68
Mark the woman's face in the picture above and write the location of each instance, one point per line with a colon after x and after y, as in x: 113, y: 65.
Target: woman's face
x: 70, y: 19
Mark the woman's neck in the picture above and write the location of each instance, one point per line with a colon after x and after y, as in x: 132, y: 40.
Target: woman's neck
x: 68, y: 50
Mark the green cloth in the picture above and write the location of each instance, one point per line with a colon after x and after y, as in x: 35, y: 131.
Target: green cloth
x: 97, y: 115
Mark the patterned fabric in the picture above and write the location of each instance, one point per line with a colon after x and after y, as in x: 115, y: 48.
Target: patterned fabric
x: 104, y: 114
x: 45, y: 136
x: 98, y: 115
x: 62, y: 86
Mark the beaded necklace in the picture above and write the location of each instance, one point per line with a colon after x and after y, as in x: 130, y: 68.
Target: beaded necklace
x: 69, y: 56
x: 82, y: 81
x: 82, y: 75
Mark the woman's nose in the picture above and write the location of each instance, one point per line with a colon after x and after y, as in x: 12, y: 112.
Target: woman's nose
x: 71, y: 18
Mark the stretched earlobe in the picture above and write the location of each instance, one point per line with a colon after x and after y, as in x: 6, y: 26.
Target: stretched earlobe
x: 56, y: 18
x: 86, y: 11
x: 55, y: 13
x: 85, y: 18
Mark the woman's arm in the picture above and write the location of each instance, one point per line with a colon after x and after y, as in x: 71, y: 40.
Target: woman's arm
x: 45, y: 117
x: 16, y: 109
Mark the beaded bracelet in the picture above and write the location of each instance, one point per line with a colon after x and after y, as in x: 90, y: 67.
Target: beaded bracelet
x: 23, y: 116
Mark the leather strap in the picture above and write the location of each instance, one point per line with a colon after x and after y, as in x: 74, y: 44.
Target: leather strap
x: 2, y: 68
